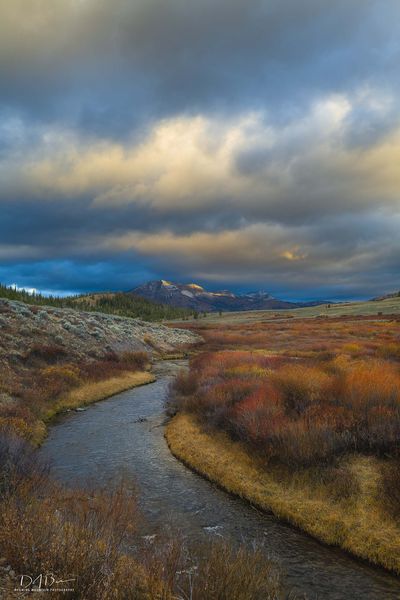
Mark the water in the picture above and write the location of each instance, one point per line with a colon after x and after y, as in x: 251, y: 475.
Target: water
x: 124, y: 434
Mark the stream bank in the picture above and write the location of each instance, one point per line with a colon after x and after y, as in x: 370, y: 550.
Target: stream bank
x: 124, y: 435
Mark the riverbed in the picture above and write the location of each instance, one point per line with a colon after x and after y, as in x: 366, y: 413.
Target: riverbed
x: 124, y: 436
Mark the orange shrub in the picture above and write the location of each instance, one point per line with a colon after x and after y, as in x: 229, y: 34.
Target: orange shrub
x: 300, y: 413
x: 352, y: 348
x: 372, y: 383
x: 391, y: 350
x: 301, y: 387
x: 57, y: 380
x: 113, y: 364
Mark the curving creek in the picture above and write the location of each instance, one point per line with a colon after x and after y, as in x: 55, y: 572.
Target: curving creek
x: 124, y: 434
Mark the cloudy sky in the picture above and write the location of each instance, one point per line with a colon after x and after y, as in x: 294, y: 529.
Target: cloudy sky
x: 237, y: 143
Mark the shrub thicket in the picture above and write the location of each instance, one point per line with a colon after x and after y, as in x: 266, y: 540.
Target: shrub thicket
x: 300, y: 414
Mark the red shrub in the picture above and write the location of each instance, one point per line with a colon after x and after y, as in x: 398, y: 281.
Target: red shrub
x: 300, y: 414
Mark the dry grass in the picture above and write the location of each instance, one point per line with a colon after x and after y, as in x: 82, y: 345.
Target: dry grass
x: 357, y: 336
x: 90, y: 393
x: 224, y: 573
x: 390, y: 306
x: 356, y: 523
x: 84, y: 535
x: 390, y: 489
x: 213, y: 571
x: 50, y: 385
x: 99, y: 390
x: 34, y: 429
x: 77, y: 535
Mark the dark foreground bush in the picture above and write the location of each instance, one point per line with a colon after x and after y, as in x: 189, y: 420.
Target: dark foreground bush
x: 18, y: 466
x: 83, y: 537
x: 224, y: 573
x: 185, y: 383
x: 213, y: 571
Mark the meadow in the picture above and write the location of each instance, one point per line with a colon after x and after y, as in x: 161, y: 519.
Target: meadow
x: 369, y: 308
x: 311, y: 407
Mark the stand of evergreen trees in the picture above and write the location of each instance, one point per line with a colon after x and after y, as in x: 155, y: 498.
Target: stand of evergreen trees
x: 118, y: 303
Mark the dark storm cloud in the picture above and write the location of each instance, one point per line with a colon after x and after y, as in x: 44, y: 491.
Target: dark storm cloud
x: 254, y: 143
x: 107, y: 66
x: 69, y: 276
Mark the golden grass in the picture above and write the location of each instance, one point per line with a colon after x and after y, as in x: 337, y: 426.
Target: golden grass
x: 357, y: 524
x: 90, y: 393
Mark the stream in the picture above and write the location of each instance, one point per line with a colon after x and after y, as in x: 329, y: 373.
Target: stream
x: 125, y: 435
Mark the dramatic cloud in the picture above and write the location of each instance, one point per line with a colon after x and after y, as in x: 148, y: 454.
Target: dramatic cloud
x: 251, y: 143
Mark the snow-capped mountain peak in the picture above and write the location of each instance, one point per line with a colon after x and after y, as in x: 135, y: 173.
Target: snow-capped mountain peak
x: 194, y: 296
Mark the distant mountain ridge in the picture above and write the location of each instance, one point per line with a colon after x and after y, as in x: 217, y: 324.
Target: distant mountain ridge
x: 195, y: 297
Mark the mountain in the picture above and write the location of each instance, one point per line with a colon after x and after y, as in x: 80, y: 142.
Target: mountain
x: 195, y: 297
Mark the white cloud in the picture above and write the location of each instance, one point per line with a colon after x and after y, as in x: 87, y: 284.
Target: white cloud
x: 17, y: 288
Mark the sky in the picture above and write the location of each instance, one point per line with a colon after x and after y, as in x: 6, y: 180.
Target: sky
x: 242, y: 144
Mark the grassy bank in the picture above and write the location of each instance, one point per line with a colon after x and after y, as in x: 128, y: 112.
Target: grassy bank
x: 90, y: 393
x: 354, y: 522
x: 45, y: 384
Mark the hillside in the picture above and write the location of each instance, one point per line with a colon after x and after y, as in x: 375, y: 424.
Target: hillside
x: 48, y: 353
x: 195, y: 297
x: 114, y: 303
x: 76, y: 335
